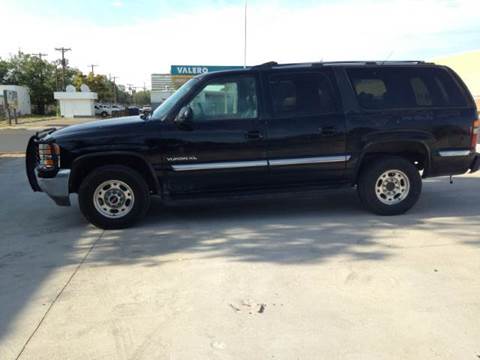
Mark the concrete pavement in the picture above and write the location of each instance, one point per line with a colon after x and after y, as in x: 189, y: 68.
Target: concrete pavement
x: 287, y: 278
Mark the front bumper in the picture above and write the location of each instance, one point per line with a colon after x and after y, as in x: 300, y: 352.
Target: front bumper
x: 57, y: 188
x: 55, y: 184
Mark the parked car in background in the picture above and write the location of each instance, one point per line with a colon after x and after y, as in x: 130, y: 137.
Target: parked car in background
x: 378, y: 126
x: 106, y: 110
x: 146, y: 110
x: 133, y: 110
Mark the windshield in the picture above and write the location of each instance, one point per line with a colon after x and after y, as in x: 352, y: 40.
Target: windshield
x: 161, y: 111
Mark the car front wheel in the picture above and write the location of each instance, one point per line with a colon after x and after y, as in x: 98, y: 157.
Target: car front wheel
x: 391, y: 186
x: 113, y: 197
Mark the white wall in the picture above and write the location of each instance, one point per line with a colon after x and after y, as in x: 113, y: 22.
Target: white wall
x: 76, y: 103
x: 72, y: 108
x: 23, y: 93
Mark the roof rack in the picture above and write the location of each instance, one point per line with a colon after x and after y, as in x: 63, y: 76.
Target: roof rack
x: 266, y: 65
x: 274, y: 64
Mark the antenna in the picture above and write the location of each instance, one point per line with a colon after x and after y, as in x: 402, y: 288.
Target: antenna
x: 245, y: 38
x: 388, y: 57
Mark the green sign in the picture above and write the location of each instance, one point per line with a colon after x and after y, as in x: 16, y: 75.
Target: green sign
x: 193, y: 70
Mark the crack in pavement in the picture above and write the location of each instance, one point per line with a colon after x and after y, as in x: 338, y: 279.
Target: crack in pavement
x: 50, y: 307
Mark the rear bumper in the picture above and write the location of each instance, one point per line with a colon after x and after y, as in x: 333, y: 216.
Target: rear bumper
x: 57, y: 188
x: 475, y: 163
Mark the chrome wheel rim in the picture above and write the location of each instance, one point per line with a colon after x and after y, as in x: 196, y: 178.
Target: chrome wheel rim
x: 392, y: 187
x: 113, y: 199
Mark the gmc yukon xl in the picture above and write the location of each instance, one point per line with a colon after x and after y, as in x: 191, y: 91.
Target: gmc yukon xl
x: 378, y: 126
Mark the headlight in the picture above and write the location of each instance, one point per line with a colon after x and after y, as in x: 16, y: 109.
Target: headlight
x: 49, y: 155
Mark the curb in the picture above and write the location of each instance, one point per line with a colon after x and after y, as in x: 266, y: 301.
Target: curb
x: 11, y: 153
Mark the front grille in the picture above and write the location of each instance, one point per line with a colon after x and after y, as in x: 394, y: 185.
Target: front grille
x: 37, y: 155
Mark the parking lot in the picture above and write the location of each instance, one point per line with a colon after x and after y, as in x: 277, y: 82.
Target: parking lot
x: 310, y: 277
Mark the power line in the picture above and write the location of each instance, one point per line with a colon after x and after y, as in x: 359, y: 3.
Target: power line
x: 64, y: 64
x: 40, y: 55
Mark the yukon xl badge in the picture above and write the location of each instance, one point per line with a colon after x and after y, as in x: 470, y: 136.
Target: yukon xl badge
x: 181, y: 158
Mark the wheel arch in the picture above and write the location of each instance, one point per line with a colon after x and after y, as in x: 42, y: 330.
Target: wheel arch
x: 415, y: 151
x: 85, y: 164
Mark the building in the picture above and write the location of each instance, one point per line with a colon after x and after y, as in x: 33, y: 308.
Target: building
x: 76, y: 103
x: 164, y: 85
x: 24, y: 106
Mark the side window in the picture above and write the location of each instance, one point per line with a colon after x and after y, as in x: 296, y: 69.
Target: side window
x: 301, y: 94
x: 451, y: 95
x: 371, y: 91
x: 421, y: 92
x: 391, y: 88
x: 221, y: 99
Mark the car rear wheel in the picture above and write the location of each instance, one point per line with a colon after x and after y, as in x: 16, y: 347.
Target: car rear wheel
x: 114, y: 197
x: 391, y: 186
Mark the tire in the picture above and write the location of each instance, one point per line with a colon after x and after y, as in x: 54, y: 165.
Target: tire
x: 390, y: 186
x: 104, y: 114
x: 99, y: 189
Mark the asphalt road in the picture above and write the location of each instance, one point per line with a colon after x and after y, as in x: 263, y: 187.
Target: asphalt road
x: 287, y: 278
x: 14, y: 140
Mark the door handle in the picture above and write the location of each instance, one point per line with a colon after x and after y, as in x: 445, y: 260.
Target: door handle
x: 253, y: 135
x: 328, y: 131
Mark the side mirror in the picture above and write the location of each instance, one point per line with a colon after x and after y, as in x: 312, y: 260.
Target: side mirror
x: 184, y: 117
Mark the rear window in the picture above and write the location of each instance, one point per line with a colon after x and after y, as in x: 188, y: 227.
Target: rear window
x: 390, y: 88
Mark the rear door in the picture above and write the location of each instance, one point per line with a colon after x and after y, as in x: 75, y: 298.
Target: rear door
x: 306, y: 129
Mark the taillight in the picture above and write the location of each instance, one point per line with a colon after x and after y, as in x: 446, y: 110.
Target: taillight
x: 49, y: 155
x: 475, y: 129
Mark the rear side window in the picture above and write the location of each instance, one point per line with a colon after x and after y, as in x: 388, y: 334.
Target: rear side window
x: 423, y: 96
x: 301, y: 94
x: 390, y: 88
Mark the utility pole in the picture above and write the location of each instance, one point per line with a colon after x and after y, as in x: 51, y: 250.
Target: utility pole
x: 41, y: 110
x: 40, y: 55
x: 132, y: 91
x: 114, y: 89
x: 64, y: 64
x: 93, y: 66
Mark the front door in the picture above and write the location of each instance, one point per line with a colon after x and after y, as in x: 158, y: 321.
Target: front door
x: 306, y: 130
x: 223, y: 148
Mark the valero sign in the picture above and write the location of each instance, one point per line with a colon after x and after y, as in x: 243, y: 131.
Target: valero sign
x: 192, y: 70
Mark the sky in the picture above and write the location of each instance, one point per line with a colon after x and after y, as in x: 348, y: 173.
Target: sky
x: 133, y: 39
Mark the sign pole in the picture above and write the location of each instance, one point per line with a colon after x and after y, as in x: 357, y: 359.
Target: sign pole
x: 7, y: 108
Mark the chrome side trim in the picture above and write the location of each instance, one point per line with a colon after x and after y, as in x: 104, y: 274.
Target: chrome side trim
x: 454, y: 153
x: 220, y: 165
x: 245, y: 164
x: 310, y: 160
x: 57, y: 187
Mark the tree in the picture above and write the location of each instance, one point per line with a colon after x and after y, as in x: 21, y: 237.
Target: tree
x: 141, y: 97
x: 4, y: 68
x: 37, y: 74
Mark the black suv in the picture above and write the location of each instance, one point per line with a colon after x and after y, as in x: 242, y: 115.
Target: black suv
x: 378, y: 126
